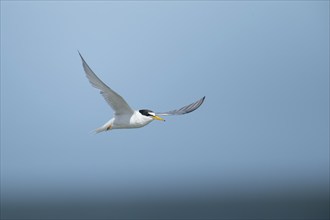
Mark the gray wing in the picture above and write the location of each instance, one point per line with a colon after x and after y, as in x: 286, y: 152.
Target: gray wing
x: 117, y: 103
x: 184, y: 110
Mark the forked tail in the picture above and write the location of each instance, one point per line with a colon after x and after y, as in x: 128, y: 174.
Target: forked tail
x: 100, y: 129
x: 105, y: 127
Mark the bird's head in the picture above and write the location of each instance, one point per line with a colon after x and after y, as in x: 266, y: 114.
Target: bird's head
x: 150, y: 114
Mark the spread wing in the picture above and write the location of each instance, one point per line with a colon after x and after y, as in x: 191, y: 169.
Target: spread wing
x: 117, y: 103
x: 184, y: 110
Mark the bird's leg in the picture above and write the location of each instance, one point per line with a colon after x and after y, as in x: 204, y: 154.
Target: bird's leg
x: 109, y: 127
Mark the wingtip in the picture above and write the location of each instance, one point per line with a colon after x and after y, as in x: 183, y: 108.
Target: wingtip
x: 82, y: 59
x: 80, y: 54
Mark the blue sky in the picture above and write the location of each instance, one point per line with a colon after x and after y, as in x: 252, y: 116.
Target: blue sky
x: 263, y: 67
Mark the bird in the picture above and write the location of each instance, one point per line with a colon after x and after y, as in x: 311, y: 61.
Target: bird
x: 124, y: 116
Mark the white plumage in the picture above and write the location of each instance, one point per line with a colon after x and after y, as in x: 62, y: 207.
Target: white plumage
x: 124, y: 115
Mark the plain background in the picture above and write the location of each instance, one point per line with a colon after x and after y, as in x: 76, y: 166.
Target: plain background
x: 263, y: 67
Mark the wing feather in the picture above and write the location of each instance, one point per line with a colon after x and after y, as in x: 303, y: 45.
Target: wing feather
x: 185, y: 109
x: 117, y: 103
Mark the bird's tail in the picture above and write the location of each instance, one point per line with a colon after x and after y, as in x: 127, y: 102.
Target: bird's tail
x: 107, y: 126
x: 99, y: 130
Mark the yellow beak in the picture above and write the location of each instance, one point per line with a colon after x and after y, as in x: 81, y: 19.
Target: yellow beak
x: 156, y: 117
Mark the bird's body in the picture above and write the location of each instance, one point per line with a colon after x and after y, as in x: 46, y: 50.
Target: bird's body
x: 125, y: 116
x: 135, y: 120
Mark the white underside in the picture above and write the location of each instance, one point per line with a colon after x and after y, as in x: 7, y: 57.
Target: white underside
x: 135, y: 120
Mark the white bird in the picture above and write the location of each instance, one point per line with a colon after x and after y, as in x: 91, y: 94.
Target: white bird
x: 124, y: 115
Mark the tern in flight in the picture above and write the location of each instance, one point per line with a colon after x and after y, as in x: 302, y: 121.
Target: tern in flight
x: 124, y: 115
